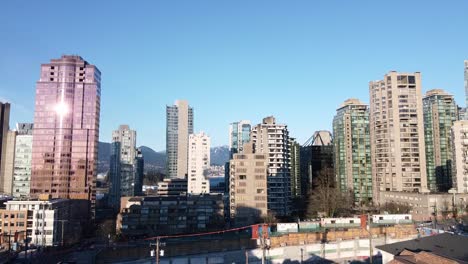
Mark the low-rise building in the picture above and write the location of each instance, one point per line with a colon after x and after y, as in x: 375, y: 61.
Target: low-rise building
x: 158, y: 215
x: 43, y: 223
x: 425, y: 205
x: 172, y: 187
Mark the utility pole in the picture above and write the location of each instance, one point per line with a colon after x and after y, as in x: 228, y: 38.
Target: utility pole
x: 370, y: 238
x: 157, y: 250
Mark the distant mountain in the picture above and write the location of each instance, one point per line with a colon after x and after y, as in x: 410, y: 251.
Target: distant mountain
x: 153, y: 160
x: 157, y: 160
x: 219, y: 155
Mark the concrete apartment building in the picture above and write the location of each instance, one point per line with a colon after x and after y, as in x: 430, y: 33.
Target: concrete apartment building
x: 198, y: 163
x: 45, y: 223
x: 6, y: 179
x: 66, y: 129
x: 172, y: 187
x: 248, y: 192
x: 272, y: 140
x: 4, y: 128
x: 466, y: 82
x: 425, y: 205
x: 239, y: 134
x: 179, y: 125
x: 127, y: 138
x: 460, y: 160
x: 440, y: 112
x: 397, y: 134
x: 352, y: 159
x: 124, y: 175
x: 163, y: 215
x: 23, y: 158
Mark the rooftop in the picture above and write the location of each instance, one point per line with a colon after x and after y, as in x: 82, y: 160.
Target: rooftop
x: 444, y: 245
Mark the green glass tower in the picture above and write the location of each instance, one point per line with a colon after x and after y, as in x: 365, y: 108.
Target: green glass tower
x: 294, y: 149
x: 440, y: 112
x: 352, y: 158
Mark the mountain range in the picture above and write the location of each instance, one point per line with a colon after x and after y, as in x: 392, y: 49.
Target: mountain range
x: 156, y: 161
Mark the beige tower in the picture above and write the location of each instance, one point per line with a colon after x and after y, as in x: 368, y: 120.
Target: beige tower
x: 397, y: 134
x: 198, y: 163
x: 460, y: 159
x: 6, y: 179
x: 248, y: 192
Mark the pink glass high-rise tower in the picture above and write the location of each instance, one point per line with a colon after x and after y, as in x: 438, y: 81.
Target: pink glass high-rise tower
x: 66, y: 129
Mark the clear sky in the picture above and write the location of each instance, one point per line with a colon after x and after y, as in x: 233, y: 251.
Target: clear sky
x: 232, y: 60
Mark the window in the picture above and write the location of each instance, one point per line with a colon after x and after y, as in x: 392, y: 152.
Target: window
x: 242, y: 177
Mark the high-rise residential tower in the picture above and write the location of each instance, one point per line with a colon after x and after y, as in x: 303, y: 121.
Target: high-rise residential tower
x: 460, y: 158
x: 248, y: 192
x: 239, y: 134
x: 179, y: 125
x: 138, y: 170
x: 127, y: 139
x: 23, y: 158
x: 66, y: 129
x: 466, y: 83
x: 125, y: 174
x: 272, y: 140
x: 115, y: 178
x: 4, y: 127
x: 198, y: 163
x: 352, y: 159
x: 440, y: 112
x: 6, y: 179
x: 295, y: 155
x: 397, y: 134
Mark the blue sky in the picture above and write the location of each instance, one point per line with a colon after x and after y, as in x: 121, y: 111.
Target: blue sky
x: 297, y: 60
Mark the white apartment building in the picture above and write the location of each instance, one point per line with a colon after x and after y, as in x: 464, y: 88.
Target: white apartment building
x: 460, y: 156
x: 198, y: 163
x: 44, y: 223
x: 23, y: 158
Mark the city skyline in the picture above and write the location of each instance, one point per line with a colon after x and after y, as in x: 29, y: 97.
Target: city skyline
x: 232, y: 48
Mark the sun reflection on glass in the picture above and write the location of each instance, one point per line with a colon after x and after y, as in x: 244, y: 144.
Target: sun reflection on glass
x: 61, y: 109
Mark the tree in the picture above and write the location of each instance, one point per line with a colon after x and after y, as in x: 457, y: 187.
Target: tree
x: 395, y: 208
x: 327, y: 198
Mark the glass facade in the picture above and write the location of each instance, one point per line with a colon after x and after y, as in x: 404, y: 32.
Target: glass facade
x: 352, y: 160
x: 295, y: 154
x: 440, y: 112
x: 239, y: 134
x: 66, y: 129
